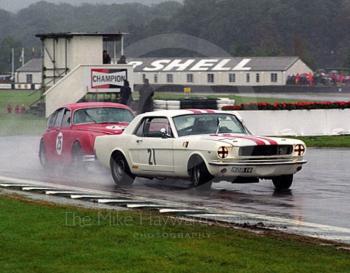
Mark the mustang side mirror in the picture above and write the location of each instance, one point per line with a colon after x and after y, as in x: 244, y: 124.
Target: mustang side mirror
x: 164, y: 133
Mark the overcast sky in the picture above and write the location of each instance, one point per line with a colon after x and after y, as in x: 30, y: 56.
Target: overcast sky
x: 15, y: 5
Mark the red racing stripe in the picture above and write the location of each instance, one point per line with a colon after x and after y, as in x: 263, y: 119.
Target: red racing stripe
x: 195, y: 111
x: 257, y: 141
x: 269, y: 140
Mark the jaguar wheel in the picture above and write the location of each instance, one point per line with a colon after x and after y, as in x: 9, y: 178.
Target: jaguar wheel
x: 42, y: 155
x: 77, y: 155
x: 120, y: 171
x: 283, y: 182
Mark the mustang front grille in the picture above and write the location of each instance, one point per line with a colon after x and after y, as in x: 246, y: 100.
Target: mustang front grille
x: 268, y: 150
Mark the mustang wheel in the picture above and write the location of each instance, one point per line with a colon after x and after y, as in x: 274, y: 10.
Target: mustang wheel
x: 120, y: 171
x: 42, y: 155
x: 200, y: 176
x: 283, y: 182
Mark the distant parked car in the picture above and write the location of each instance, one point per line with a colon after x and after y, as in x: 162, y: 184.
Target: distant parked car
x: 72, y: 130
x: 199, y: 145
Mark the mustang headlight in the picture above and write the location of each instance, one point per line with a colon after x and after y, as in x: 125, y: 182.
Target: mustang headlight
x: 300, y: 149
x: 223, y: 152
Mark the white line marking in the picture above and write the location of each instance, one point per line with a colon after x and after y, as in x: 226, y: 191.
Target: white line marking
x: 281, y: 221
x: 179, y: 211
x: 14, y: 185
x: 35, y: 189
x: 140, y: 206
x: 118, y: 201
x: 75, y: 196
x: 52, y: 192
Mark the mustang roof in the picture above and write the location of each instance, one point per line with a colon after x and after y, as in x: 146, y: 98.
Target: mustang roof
x: 175, y: 113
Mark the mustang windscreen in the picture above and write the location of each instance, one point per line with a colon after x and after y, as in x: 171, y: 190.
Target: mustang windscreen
x: 208, y: 124
x: 102, y: 115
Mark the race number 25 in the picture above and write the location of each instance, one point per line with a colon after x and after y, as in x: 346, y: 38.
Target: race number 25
x: 152, y: 157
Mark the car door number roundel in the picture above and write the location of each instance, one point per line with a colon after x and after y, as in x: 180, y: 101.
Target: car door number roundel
x: 152, y: 157
x: 59, y: 143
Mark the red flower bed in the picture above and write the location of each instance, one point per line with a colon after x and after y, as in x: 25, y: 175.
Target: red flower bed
x: 290, y: 106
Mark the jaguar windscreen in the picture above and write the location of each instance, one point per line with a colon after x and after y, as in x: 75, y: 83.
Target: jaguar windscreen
x: 102, y: 115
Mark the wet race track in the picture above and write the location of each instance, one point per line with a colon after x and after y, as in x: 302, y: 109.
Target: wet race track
x: 320, y: 193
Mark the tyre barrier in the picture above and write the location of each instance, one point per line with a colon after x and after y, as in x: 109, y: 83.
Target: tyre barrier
x: 192, y: 104
x: 222, y: 102
x: 199, y: 104
x: 167, y: 104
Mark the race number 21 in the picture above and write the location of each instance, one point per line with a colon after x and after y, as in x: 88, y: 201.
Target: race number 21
x: 152, y: 157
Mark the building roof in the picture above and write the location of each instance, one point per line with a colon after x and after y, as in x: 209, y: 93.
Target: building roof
x: 67, y: 35
x: 213, y: 64
x: 33, y: 65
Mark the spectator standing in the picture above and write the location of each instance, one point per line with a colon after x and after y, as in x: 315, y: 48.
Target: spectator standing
x: 17, y: 109
x: 106, y: 57
x: 146, y: 97
x: 125, y: 94
x: 9, y: 108
x: 122, y: 60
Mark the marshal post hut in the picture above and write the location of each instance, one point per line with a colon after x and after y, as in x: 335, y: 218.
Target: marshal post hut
x: 75, y: 65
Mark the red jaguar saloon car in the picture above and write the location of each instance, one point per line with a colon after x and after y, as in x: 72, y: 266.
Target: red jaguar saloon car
x: 72, y: 129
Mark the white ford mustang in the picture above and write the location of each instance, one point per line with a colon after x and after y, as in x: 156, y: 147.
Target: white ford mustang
x: 204, y: 146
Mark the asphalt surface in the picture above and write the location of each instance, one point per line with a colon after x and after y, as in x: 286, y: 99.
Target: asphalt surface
x: 320, y: 193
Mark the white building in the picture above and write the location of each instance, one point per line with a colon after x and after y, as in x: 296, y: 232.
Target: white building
x: 64, y: 52
x: 30, y: 72
x: 204, y: 72
x: 76, y: 64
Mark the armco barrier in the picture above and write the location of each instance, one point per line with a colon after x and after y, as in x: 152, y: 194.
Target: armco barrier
x: 297, y: 122
x: 192, y: 104
x: 19, y: 86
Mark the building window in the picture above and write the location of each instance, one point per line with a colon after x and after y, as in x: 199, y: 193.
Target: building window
x: 274, y: 77
x: 257, y: 77
x: 29, y: 78
x: 155, y: 78
x: 211, y: 78
x: 232, y: 77
x: 190, y: 78
x: 170, y: 78
x: 247, y: 77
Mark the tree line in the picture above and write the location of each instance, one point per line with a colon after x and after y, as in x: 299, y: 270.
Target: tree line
x: 315, y: 30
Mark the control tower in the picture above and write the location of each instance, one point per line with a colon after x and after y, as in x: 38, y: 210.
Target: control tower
x: 74, y: 66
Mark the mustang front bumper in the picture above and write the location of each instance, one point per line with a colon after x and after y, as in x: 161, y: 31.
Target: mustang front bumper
x: 255, y: 168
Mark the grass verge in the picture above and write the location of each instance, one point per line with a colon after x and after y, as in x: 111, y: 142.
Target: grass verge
x: 327, y: 141
x: 14, y: 97
x: 21, y: 124
x: 238, y: 99
x: 38, y: 237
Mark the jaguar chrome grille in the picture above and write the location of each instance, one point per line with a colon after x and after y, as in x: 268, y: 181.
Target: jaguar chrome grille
x: 268, y: 150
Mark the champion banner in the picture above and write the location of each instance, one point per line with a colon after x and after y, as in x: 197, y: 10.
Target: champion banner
x: 108, y: 78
